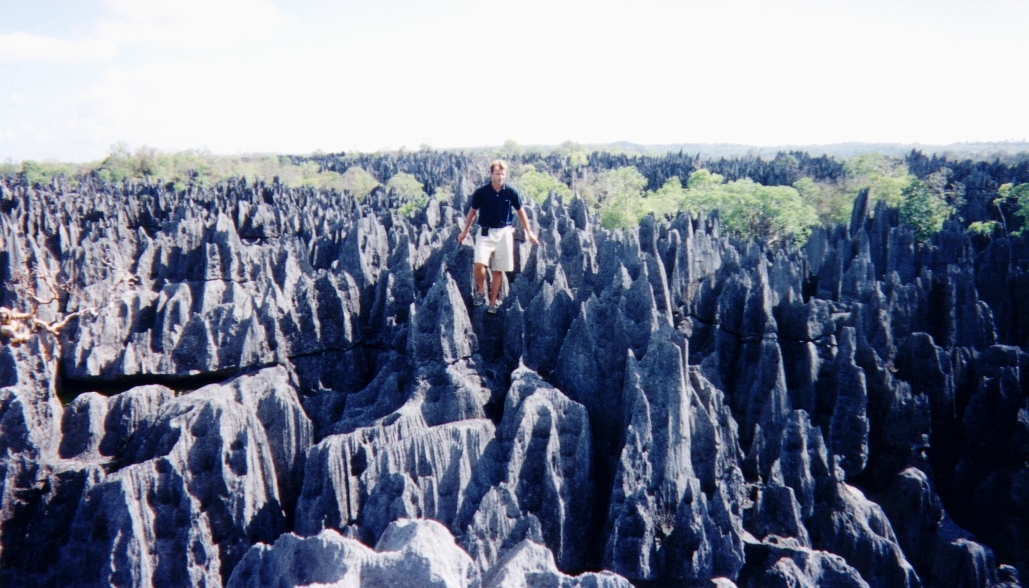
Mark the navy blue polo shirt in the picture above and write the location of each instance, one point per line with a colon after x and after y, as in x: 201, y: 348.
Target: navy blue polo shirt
x: 495, y: 207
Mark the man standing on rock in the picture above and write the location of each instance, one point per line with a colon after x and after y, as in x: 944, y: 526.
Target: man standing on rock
x: 493, y: 203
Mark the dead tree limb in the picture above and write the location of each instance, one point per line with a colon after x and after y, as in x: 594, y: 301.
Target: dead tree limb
x: 17, y: 327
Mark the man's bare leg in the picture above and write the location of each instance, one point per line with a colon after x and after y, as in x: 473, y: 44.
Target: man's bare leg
x: 480, y: 278
x: 494, y: 287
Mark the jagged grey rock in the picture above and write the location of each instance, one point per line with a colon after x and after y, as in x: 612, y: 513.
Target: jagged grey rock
x: 690, y: 406
x: 782, y: 562
x: 400, y: 468
x: 203, y: 479
x: 537, y: 474
x: 411, y: 553
x: 532, y: 565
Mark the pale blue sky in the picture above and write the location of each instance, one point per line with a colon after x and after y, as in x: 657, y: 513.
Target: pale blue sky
x: 242, y: 76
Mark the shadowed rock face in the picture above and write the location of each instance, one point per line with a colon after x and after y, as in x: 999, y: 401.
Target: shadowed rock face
x: 297, y: 389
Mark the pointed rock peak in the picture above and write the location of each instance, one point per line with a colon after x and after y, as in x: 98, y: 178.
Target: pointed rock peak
x: 560, y: 281
x: 632, y: 371
x: 753, y: 254
x: 514, y: 332
x: 775, y: 477
x: 687, y: 224
x: 365, y: 250
x: 648, y: 234
x: 757, y: 317
x: 442, y: 272
x: 543, y: 299
x: 440, y: 329
x: 553, y: 202
x: 712, y: 223
x: 882, y: 212
x: 859, y: 213
x: 666, y: 342
x: 524, y: 381
x: 847, y: 345
x: 638, y: 303
x: 578, y: 210
x: 583, y: 316
x: 516, y: 307
x: 224, y: 224
x: 589, y: 306
x: 620, y: 281
x: 816, y: 248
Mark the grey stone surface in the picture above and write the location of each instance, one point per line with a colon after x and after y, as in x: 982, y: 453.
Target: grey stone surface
x: 535, y: 481
x: 401, y: 468
x: 410, y: 554
x: 295, y: 375
x: 783, y: 563
x: 532, y: 565
x: 202, y: 479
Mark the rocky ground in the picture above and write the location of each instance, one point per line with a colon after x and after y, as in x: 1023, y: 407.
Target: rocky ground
x: 294, y: 388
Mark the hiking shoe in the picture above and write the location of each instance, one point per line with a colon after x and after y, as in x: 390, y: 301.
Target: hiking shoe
x: 478, y: 298
x: 492, y: 308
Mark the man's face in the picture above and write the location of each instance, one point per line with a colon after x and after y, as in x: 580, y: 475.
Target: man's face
x: 497, y: 177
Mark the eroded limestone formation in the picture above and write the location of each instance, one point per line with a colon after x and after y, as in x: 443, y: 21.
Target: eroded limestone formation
x: 296, y: 388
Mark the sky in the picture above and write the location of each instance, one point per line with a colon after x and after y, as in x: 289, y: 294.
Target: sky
x: 271, y: 76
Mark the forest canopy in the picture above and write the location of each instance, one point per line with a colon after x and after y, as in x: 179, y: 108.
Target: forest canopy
x: 778, y: 200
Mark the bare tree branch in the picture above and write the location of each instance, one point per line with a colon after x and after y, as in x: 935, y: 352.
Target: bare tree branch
x: 17, y: 327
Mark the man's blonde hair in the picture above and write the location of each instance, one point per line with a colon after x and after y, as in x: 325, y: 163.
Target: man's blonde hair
x: 497, y: 164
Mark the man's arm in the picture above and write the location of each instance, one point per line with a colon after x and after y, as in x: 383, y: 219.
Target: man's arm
x: 525, y: 223
x: 468, y: 224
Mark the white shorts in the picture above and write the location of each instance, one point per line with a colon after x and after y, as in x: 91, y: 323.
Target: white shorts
x: 500, y: 245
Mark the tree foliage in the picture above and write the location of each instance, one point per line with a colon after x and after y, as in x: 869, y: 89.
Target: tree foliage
x: 613, y: 185
x: 1019, y: 196
x: 537, y: 185
x: 573, y: 154
x: 928, y: 204
x: 405, y: 185
x: 832, y: 197
x: 751, y: 209
x: 885, y: 177
x: 831, y: 201
x: 983, y: 228
x: 746, y: 207
x: 358, y: 182
x: 619, y: 195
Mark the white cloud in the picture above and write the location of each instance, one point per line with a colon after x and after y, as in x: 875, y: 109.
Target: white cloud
x: 237, y: 75
x: 192, y: 24
x: 23, y: 47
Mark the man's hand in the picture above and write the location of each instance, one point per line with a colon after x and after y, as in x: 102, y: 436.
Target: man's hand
x: 525, y: 225
x: 467, y: 224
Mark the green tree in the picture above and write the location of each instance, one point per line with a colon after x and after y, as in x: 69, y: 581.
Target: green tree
x: 928, y: 204
x: 667, y: 199
x: 885, y: 177
x: 983, y: 228
x: 832, y: 203
x: 575, y: 155
x: 1019, y: 195
x: 410, y: 191
x: 620, y: 184
x: 746, y: 208
x: 512, y: 149
x: 358, y: 182
x: 619, y: 195
x: 751, y: 209
x: 34, y: 173
x: 406, y: 186
x: 537, y: 185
